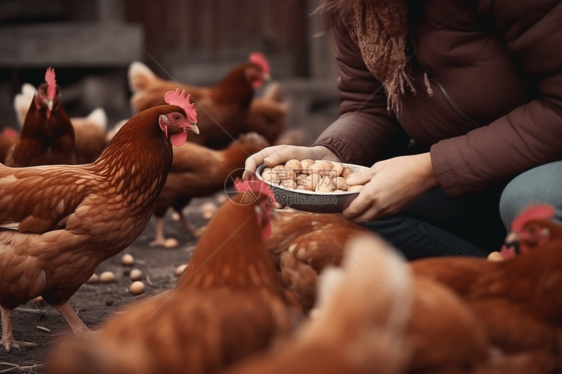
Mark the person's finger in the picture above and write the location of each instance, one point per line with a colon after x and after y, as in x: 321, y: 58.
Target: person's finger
x: 256, y: 159
x: 250, y: 167
x: 369, y: 215
x: 281, y: 157
x: 358, y: 206
x: 361, y: 177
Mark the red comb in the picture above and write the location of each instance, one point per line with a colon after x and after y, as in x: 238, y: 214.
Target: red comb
x: 50, y: 79
x: 260, y: 60
x: 182, y: 100
x: 542, y: 211
x: 10, y: 132
x: 254, y: 185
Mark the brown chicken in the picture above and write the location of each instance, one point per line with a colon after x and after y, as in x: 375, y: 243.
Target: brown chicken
x: 222, y: 109
x: 90, y: 136
x: 357, y: 328
x: 374, y: 317
x: 89, y: 132
x: 268, y: 113
x: 47, y: 136
x: 60, y: 222
x: 517, y: 301
x: 303, y: 244
x: 198, y: 171
x: 8, y: 138
x: 227, y: 305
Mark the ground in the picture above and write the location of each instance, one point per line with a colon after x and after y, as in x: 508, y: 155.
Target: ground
x: 94, y: 303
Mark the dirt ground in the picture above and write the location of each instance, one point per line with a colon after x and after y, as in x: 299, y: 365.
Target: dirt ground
x: 94, y: 303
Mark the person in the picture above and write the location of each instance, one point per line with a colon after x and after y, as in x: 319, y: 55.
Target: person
x: 448, y: 101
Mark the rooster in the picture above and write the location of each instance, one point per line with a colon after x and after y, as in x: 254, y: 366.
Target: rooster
x: 198, y: 171
x: 227, y: 305
x: 47, y: 136
x: 89, y: 132
x: 223, y: 109
x: 305, y: 243
x: 518, y: 301
x: 60, y: 222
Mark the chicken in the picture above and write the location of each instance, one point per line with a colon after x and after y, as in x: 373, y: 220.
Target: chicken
x: 268, y: 113
x: 358, y: 327
x: 198, y: 171
x: 304, y: 243
x: 373, y: 316
x: 89, y: 132
x: 227, y: 305
x: 8, y: 138
x: 519, y: 240
x: 517, y: 301
x: 22, y: 101
x: 47, y: 136
x: 90, y: 136
x: 60, y: 222
x: 223, y: 109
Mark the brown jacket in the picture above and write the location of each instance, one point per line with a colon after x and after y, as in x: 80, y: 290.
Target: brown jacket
x: 495, y: 69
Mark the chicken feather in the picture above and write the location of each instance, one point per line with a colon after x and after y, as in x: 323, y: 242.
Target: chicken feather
x: 227, y: 305
x: 60, y: 222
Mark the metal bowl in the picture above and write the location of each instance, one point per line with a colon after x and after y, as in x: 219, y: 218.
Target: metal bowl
x: 310, y: 201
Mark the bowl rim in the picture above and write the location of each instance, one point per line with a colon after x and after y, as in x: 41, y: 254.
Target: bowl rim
x: 306, y: 192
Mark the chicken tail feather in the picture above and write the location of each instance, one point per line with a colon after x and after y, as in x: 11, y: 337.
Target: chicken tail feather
x: 87, y: 355
x: 23, y: 100
x: 140, y: 76
x: 366, y: 304
x: 98, y: 118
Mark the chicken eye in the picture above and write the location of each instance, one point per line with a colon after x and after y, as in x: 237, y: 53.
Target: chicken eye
x: 176, y: 117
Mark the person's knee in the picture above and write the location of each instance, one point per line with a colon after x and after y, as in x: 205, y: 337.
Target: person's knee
x: 540, y: 185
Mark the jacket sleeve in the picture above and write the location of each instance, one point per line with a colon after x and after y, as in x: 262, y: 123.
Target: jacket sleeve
x: 530, y: 135
x: 364, y: 132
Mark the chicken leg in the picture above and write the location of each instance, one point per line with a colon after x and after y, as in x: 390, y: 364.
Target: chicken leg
x: 76, y: 325
x: 160, y: 239
x: 7, y: 340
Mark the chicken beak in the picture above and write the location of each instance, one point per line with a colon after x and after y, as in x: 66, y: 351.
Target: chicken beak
x: 266, y: 76
x: 49, y: 103
x: 194, y: 128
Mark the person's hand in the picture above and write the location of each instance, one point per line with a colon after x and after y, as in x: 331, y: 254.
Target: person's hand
x: 273, y: 156
x: 392, y: 185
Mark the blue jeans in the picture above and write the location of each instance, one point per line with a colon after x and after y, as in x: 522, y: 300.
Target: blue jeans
x: 542, y: 184
x: 435, y: 225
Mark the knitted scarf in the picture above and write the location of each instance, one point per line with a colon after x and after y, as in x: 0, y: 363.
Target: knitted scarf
x: 379, y: 28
